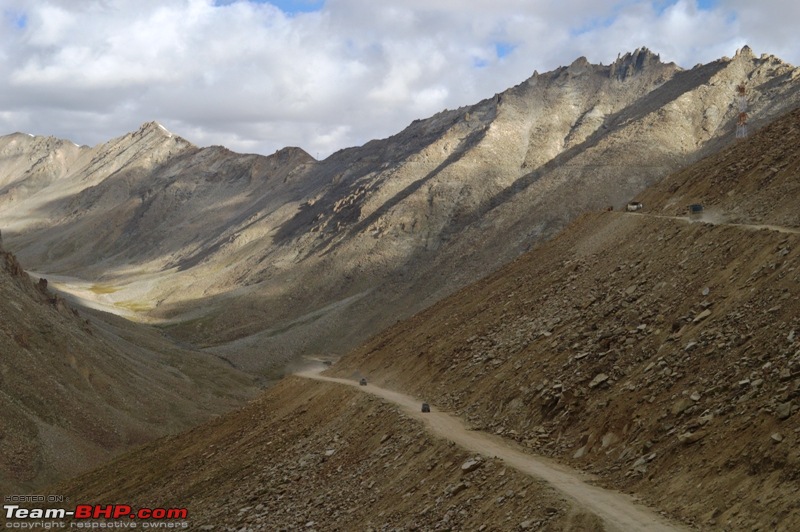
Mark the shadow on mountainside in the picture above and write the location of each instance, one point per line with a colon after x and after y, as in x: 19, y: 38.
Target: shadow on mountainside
x: 651, y: 102
x: 347, y: 168
x: 464, y: 146
x: 174, y: 212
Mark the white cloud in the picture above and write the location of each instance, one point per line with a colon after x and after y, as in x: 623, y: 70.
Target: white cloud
x: 249, y: 76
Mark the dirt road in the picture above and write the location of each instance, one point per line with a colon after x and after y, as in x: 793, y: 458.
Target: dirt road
x: 618, y: 511
x: 714, y: 220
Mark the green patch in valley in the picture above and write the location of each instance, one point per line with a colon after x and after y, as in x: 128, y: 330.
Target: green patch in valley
x: 135, y: 306
x: 103, y: 289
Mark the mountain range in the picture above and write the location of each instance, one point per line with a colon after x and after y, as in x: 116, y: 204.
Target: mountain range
x: 652, y: 353
x: 260, y: 259
x: 174, y: 275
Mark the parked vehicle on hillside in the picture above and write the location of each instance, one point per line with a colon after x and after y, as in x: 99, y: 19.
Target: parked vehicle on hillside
x: 633, y: 206
x: 695, y: 209
x: 426, y: 407
x: 362, y: 382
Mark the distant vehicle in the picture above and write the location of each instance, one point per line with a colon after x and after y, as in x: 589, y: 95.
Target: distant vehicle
x: 426, y: 407
x: 363, y: 381
x: 327, y: 362
x: 695, y: 209
x: 633, y: 206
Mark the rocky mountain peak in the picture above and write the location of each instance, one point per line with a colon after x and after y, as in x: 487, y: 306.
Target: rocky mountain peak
x: 151, y: 134
x: 580, y: 62
x: 631, y: 64
x: 579, y: 65
x: 154, y: 127
x: 295, y: 154
x: 745, y: 52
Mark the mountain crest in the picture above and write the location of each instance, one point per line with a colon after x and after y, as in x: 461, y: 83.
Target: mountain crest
x: 151, y: 134
x: 293, y: 153
x: 154, y: 127
x: 745, y: 52
x: 630, y: 64
x: 579, y: 65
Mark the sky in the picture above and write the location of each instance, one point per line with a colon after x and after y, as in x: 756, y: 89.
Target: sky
x: 259, y: 75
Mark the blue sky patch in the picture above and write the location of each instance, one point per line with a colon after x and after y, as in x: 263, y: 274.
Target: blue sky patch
x: 592, y: 25
x: 659, y: 6
x: 290, y: 7
x: 707, y: 5
x: 703, y: 5
x: 15, y: 18
x: 502, y: 49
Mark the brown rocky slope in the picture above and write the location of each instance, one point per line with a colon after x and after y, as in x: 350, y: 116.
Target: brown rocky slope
x: 314, y: 456
x: 661, y: 354
x: 75, y: 391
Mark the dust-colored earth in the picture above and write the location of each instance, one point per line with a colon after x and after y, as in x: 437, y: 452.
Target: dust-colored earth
x: 320, y: 456
x: 77, y: 389
x: 617, y: 511
x: 658, y: 354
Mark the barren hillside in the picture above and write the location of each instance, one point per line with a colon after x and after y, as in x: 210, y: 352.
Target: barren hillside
x: 316, y: 456
x: 76, y: 390
x: 661, y: 354
x: 263, y: 258
x: 755, y: 181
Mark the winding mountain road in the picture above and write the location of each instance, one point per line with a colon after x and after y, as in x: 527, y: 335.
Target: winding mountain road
x: 618, y: 511
x: 710, y: 219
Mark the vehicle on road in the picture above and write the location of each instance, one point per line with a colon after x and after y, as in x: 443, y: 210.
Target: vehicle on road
x: 633, y: 206
x: 695, y: 209
x: 362, y: 382
x: 426, y: 407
